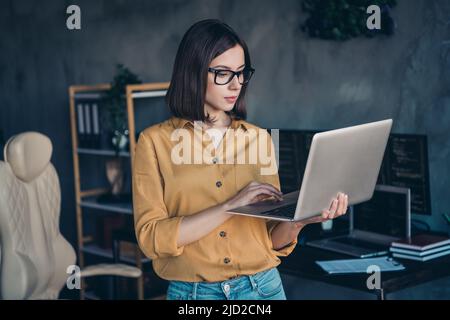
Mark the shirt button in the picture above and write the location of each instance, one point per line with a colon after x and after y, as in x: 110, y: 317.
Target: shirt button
x: 218, y: 184
x: 215, y: 160
x: 223, y: 234
x: 226, y: 260
x: 226, y: 287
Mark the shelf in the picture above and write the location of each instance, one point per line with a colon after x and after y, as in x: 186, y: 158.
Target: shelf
x: 142, y: 94
x: 84, y: 153
x: 91, y: 202
x: 100, y: 152
x: 149, y: 94
x: 107, y: 253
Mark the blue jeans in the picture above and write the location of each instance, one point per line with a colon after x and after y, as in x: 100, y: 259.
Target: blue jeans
x: 265, y: 285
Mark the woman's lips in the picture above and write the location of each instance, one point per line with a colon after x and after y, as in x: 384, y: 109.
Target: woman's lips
x: 230, y: 99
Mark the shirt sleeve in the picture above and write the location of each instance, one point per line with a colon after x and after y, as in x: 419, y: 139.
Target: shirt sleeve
x: 274, y: 180
x: 156, y: 232
x: 286, y: 250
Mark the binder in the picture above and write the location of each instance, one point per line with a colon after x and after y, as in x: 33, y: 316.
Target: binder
x: 81, y: 128
x: 95, y: 126
x: 422, y: 242
x: 422, y: 258
x: 88, y: 124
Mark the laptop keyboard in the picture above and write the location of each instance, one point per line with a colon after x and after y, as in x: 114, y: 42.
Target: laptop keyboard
x: 359, y: 243
x: 287, y: 211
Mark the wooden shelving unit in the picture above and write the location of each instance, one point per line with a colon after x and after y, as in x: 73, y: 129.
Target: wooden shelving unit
x: 139, y: 91
x: 87, y: 199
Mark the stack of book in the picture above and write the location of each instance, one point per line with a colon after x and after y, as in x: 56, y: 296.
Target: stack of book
x: 422, y: 247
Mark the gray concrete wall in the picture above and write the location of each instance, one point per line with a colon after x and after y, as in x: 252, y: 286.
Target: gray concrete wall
x: 300, y: 83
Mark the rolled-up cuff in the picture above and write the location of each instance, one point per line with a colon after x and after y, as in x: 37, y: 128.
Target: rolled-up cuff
x: 286, y: 250
x: 166, y: 236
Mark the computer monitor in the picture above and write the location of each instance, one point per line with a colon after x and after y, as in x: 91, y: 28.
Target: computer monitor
x: 405, y: 164
x: 388, y: 213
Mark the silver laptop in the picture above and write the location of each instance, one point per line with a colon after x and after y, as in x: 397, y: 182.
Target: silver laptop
x: 346, y: 160
x: 374, y: 224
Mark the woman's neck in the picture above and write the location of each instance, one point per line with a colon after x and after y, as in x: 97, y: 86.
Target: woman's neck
x: 221, y: 119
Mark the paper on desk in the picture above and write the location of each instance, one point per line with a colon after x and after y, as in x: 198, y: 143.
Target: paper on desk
x: 360, y: 265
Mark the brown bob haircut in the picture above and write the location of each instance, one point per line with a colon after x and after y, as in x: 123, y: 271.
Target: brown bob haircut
x: 204, y: 41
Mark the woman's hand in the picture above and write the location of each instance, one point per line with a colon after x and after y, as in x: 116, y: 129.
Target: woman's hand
x: 286, y: 232
x: 338, y: 208
x: 252, y: 193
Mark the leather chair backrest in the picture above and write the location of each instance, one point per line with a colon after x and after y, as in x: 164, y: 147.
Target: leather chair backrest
x: 34, y: 254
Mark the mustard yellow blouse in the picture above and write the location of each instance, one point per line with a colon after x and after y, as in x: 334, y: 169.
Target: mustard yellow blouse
x: 166, y: 188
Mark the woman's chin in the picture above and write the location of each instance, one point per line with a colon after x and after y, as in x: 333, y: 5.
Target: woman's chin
x: 228, y: 107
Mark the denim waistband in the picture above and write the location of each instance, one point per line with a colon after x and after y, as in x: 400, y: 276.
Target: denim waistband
x: 221, y: 286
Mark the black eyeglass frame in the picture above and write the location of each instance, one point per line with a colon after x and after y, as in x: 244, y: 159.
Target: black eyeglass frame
x: 237, y: 74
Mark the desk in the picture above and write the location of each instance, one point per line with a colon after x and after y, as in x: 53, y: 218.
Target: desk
x: 301, y: 262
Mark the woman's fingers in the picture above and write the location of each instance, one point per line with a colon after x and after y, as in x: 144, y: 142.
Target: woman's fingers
x: 338, y: 208
x: 333, y: 209
x: 261, y: 197
x: 276, y: 195
x: 251, y: 184
x: 257, y: 193
x: 341, y: 206
x: 271, y: 187
x: 266, y: 187
x: 346, y: 204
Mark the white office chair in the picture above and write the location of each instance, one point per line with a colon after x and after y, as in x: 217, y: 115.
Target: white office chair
x: 34, y: 256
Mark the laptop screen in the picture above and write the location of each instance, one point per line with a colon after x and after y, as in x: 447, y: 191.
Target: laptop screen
x: 387, y: 213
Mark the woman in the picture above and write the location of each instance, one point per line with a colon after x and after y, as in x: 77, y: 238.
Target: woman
x: 187, y: 176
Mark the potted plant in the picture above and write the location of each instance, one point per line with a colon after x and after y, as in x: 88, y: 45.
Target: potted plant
x: 115, y: 120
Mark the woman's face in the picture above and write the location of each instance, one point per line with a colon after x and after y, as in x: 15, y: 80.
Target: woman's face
x: 223, y: 97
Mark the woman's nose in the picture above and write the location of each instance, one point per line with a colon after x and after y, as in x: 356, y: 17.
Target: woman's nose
x: 234, y: 84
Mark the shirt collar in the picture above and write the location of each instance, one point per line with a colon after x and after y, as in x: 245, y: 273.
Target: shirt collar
x: 183, y: 123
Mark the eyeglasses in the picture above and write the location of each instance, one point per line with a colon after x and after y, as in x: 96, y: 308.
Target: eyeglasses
x: 222, y: 76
